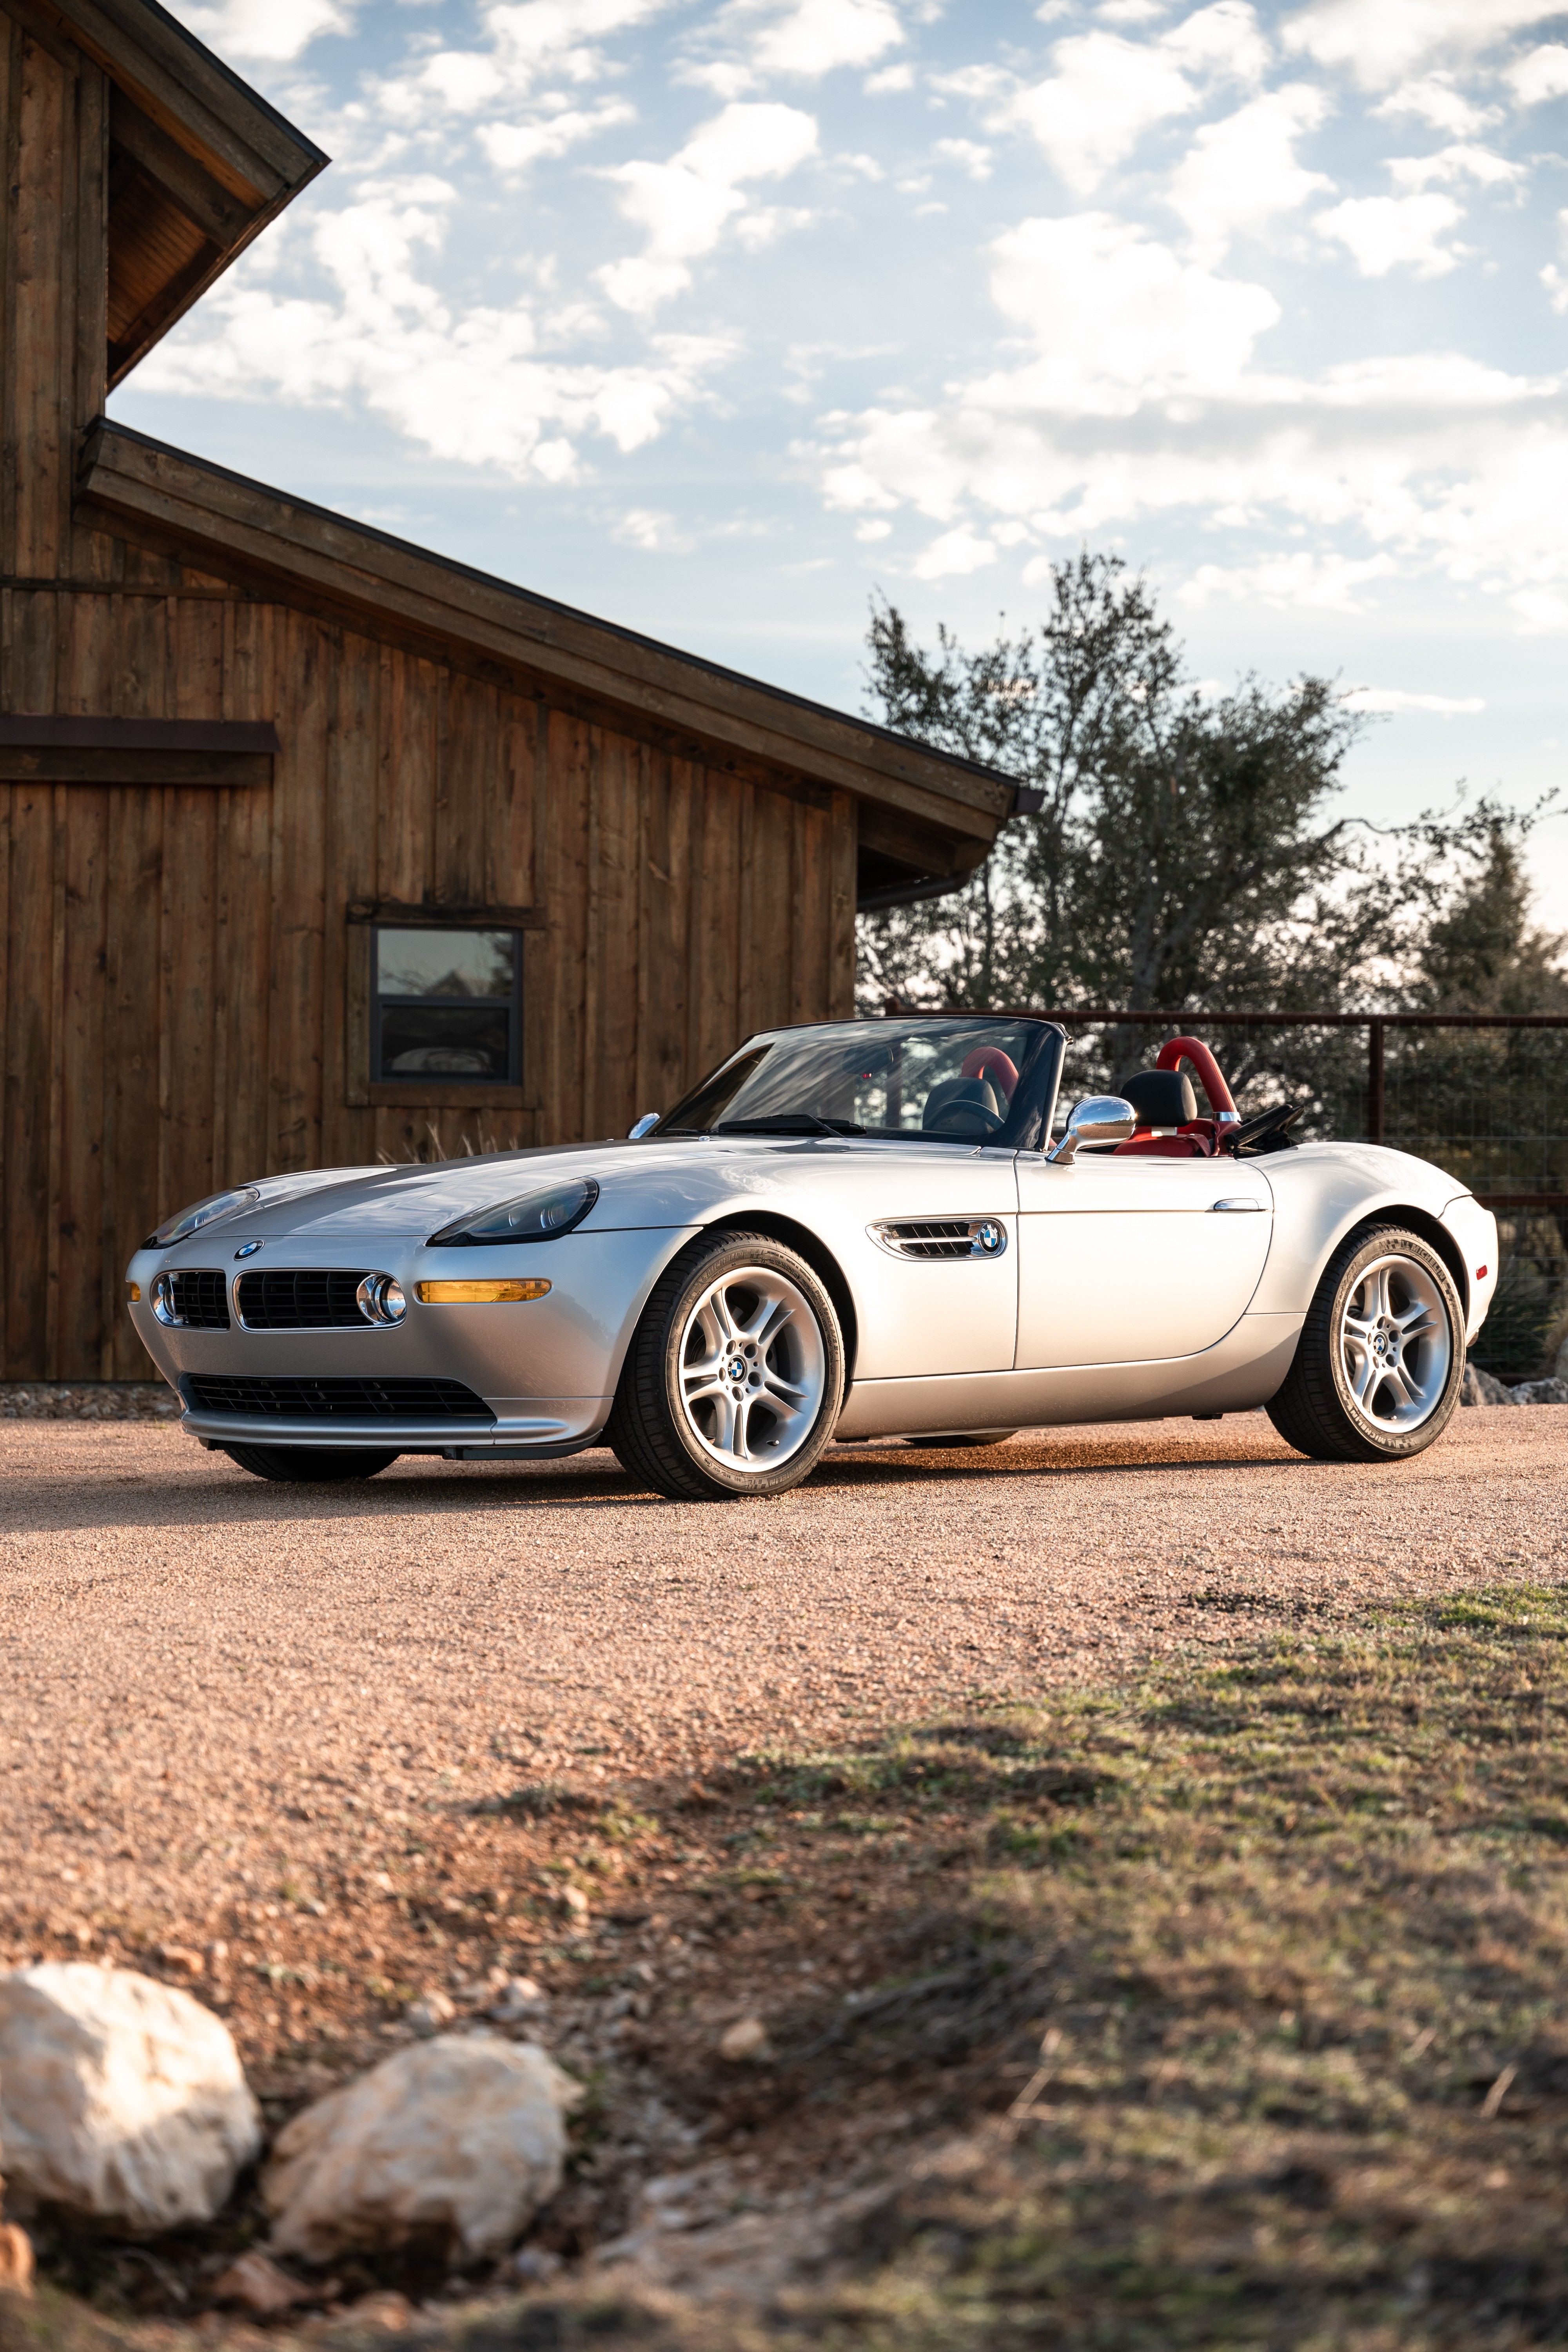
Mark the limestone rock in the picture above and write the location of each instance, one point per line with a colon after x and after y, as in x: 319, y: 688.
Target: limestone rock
x: 121, y: 2099
x: 430, y: 2013
x: 256, y: 2282
x: 1553, y: 1391
x: 15, y: 2258
x: 462, y: 2135
x: 746, y: 2040
x: 1484, y: 1388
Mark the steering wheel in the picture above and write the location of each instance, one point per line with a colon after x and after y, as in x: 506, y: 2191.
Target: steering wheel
x: 991, y: 1120
x: 1263, y: 1130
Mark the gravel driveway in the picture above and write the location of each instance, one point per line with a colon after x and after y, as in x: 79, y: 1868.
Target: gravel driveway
x: 183, y: 1648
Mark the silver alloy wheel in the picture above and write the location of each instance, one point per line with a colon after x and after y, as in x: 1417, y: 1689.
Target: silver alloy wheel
x: 752, y: 1368
x: 1395, y: 1343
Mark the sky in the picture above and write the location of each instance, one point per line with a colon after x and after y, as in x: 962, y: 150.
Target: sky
x: 717, y: 320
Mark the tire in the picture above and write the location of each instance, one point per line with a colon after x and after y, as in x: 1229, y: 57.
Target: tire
x: 983, y: 1437
x: 1382, y: 1353
x: 735, y: 1375
x: 309, y: 1465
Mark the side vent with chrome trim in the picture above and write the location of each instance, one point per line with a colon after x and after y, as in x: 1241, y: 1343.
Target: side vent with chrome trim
x: 941, y: 1237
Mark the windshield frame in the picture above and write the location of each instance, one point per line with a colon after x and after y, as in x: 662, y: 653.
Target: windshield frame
x: 1029, y: 1114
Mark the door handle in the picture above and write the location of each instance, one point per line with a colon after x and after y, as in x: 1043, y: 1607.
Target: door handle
x: 1236, y: 1207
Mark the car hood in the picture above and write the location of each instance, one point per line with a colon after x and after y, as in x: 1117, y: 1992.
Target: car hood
x: 640, y: 1184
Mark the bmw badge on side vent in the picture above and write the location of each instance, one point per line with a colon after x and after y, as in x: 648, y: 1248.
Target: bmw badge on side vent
x: 941, y: 1237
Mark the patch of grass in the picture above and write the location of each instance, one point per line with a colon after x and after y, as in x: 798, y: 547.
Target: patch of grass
x: 1294, y: 1928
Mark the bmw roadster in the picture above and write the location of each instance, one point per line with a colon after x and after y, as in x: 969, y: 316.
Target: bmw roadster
x: 851, y: 1230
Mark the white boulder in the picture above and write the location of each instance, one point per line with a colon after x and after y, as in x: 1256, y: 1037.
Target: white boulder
x: 461, y: 2135
x: 121, y: 2099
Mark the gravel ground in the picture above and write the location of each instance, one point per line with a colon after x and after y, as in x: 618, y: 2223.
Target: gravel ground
x: 186, y: 1651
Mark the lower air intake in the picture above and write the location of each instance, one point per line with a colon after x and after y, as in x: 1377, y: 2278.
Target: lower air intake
x: 337, y: 1399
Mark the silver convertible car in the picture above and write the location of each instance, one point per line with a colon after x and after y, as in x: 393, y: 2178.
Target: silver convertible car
x: 851, y: 1229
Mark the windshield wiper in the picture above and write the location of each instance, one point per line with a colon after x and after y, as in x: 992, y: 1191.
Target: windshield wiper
x: 789, y: 1122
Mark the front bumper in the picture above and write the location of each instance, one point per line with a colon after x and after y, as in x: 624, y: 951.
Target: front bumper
x: 544, y: 1369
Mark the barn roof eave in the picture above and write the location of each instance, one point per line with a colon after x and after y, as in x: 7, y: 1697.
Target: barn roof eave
x: 312, y: 556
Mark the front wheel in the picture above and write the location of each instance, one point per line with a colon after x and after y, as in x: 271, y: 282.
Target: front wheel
x: 1378, y: 1367
x: 309, y: 1465
x: 734, y: 1376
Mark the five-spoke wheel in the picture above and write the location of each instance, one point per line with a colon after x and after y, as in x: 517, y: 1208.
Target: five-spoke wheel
x: 735, y: 1375
x: 1381, y: 1356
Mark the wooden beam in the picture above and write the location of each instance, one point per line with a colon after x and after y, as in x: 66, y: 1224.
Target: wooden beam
x: 362, y: 575
x: 218, y: 215
x: 44, y: 730
x: 239, y: 139
x: 218, y: 768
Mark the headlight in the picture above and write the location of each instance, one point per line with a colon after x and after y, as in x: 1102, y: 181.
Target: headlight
x: 533, y: 1217
x: 205, y: 1212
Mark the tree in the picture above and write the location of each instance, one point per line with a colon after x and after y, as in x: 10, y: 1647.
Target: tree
x: 1188, y: 854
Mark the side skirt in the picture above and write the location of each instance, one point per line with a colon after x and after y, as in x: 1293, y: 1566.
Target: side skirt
x: 1242, y: 1371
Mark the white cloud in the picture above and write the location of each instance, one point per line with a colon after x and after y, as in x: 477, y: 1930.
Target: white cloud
x: 1104, y: 95
x: 1105, y: 92
x: 1542, y: 75
x: 1384, y: 233
x: 968, y: 155
x: 816, y: 36
x: 1392, y: 698
x: 516, y: 146
x: 1240, y: 173
x: 1117, y: 317
x: 1382, y: 41
x: 798, y: 39
x: 889, y: 80
x: 655, y: 532
x: 1435, y: 100
x: 469, y: 385
x: 953, y: 554
x: 275, y: 30
x: 1300, y: 582
x: 1461, y: 161
x: 531, y: 39
x: 1554, y: 279
x: 684, y: 206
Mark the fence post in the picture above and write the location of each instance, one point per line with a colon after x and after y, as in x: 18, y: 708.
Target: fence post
x: 1374, y: 1099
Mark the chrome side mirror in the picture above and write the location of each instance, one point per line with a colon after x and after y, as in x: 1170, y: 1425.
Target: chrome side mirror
x: 649, y: 1118
x: 1102, y: 1119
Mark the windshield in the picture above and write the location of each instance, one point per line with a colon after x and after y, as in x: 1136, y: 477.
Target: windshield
x: 945, y: 1080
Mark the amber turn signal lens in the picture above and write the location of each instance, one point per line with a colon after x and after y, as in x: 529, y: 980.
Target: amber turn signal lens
x: 132, y: 1294
x: 508, y: 1290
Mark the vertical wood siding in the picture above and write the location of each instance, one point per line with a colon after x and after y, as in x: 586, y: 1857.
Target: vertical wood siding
x: 174, y: 988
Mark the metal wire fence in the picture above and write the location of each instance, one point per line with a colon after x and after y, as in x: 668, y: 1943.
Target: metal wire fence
x: 1484, y: 1096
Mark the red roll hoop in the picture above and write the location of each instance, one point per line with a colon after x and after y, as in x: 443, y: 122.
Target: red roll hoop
x: 1194, y: 1050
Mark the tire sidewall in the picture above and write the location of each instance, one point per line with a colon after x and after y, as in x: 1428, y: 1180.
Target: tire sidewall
x: 1395, y: 1242
x: 705, y: 1269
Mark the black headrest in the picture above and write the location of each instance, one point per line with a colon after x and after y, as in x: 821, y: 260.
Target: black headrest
x: 1161, y: 1098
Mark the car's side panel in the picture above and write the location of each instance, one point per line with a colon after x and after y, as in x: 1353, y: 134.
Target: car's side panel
x: 930, y: 1316
x: 1242, y: 1371
x: 1130, y: 1259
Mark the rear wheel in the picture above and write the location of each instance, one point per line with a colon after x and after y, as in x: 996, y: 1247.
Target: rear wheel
x: 734, y: 1376
x: 309, y: 1465
x: 1381, y: 1357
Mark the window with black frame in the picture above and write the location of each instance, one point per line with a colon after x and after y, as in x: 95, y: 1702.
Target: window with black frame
x: 445, y: 1004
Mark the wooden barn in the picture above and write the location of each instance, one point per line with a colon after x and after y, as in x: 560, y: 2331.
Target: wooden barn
x: 314, y: 845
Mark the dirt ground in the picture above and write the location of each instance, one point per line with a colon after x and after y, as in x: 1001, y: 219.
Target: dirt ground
x: 183, y: 1645
x: 317, y: 1752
